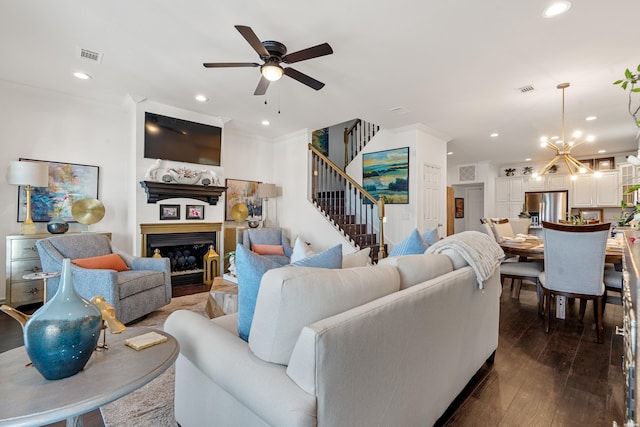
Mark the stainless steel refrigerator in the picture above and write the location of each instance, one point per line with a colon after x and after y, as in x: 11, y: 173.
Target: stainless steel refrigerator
x: 551, y: 206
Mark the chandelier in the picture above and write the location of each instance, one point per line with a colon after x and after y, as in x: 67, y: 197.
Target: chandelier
x: 563, y: 148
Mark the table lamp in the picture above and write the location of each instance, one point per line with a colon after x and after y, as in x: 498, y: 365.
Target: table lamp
x: 29, y: 174
x: 264, y: 192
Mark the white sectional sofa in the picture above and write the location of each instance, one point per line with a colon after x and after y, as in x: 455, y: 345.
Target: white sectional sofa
x: 388, y: 345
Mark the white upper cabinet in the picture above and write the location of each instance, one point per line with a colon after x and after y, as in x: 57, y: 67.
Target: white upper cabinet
x: 596, y: 191
x: 551, y: 182
x: 608, y: 192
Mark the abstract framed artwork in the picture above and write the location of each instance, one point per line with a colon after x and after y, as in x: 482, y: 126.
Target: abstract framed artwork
x: 459, y: 207
x: 169, y: 212
x: 242, y: 191
x: 386, y: 174
x: 68, y: 183
x: 194, y: 212
x: 320, y: 140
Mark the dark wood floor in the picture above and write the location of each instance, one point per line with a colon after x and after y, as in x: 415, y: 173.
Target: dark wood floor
x: 561, y: 379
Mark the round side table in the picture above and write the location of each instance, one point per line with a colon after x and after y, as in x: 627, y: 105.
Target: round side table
x: 44, y: 276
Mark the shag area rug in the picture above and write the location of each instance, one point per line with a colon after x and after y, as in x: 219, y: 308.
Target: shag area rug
x: 152, y: 404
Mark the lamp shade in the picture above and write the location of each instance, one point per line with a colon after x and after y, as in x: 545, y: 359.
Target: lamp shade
x: 266, y: 191
x: 35, y: 174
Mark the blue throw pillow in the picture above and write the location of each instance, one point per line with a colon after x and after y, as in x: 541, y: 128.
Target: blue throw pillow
x: 412, y: 245
x: 249, y: 267
x: 430, y: 237
x: 331, y: 258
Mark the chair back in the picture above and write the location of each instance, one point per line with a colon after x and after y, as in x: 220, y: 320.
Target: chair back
x: 520, y: 225
x: 502, y: 228
x: 485, y: 226
x: 81, y: 245
x: 574, y: 257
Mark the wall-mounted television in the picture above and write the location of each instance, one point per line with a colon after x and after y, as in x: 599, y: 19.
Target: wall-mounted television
x: 168, y: 138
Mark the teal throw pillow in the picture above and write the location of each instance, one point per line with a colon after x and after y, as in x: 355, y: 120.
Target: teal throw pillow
x: 249, y: 268
x: 331, y: 258
x: 412, y: 245
x: 430, y: 237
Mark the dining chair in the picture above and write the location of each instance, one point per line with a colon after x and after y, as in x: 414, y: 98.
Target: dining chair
x: 502, y: 228
x: 520, y: 271
x: 574, y: 267
x: 485, y: 226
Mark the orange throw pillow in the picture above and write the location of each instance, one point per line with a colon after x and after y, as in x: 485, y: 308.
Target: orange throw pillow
x: 102, y: 262
x: 268, y: 249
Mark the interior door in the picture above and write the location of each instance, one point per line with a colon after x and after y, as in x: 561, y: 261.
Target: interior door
x: 432, y: 197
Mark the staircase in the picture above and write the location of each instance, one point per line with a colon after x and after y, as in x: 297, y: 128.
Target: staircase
x: 351, y: 209
x: 356, y: 137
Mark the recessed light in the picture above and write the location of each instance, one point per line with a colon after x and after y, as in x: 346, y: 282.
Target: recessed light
x: 554, y: 138
x: 449, y: 153
x: 528, y: 159
x: 602, y: 151
x: 493, y: 135
x: 201, y: 98
x: 556, y: 8
x: 82, y: 76
x: 590, y: 118
x: 266, y: 123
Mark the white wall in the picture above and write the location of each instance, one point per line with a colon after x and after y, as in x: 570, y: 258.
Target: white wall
x: 46, y: 125
x: 424, y: 147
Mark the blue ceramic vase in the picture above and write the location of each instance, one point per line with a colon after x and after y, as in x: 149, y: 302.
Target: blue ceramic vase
x: 61, y: 336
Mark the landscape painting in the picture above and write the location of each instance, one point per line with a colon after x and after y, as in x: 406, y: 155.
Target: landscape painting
x: 386, y: 174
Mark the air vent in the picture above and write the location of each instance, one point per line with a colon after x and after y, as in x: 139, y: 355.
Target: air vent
x: 467, y: 173
x: 525, y: 89
x: 90, y: 55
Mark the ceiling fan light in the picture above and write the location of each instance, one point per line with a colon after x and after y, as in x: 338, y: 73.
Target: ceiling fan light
x: 272, y: 72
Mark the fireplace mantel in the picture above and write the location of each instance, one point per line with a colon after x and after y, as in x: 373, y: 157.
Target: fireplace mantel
x: 162, y: 190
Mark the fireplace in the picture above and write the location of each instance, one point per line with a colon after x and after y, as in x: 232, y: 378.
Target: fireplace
x: 185, y: 244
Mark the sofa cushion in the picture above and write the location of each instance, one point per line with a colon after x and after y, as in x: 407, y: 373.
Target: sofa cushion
x: 249, y: 268
x: 132, y: 282
x: 291, y: 298
x: 416, y: 269
x: 414, y: 244
x: 268, y: 249
x: 300, y: 250
x: 430, y: 236
x: 357, y: 259
x: 330, y: 258
x: 102, y: 262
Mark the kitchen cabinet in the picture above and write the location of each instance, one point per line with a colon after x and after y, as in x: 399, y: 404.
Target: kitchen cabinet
x: 558, y: 182
x: 549, y: 182
x: 629, y: 176
x: 595, y: 191
x: 608, y: 192
x: 509, y: 196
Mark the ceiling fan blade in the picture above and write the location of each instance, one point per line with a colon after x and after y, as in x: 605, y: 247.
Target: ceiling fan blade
x: 253, y: 40
x: 263, y: 84
x: 311, y: 52
x: 230, y: 64
x: 303, y: 78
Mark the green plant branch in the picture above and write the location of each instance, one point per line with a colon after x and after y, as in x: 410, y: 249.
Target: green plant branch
x: 630, y: 80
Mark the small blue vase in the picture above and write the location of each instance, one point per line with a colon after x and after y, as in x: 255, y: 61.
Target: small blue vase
x: 61, y: 336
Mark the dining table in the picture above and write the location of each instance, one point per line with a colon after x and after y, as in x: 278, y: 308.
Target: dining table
x: 533, y: 248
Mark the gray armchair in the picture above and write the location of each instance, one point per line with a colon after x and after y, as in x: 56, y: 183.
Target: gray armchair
x: 133, y: 293
x: 269, y: 236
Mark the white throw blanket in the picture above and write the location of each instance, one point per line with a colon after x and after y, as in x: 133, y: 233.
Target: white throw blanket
x: 480, y: 251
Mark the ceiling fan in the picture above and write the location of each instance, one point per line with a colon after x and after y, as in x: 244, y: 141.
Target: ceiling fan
x: 274, y: 53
